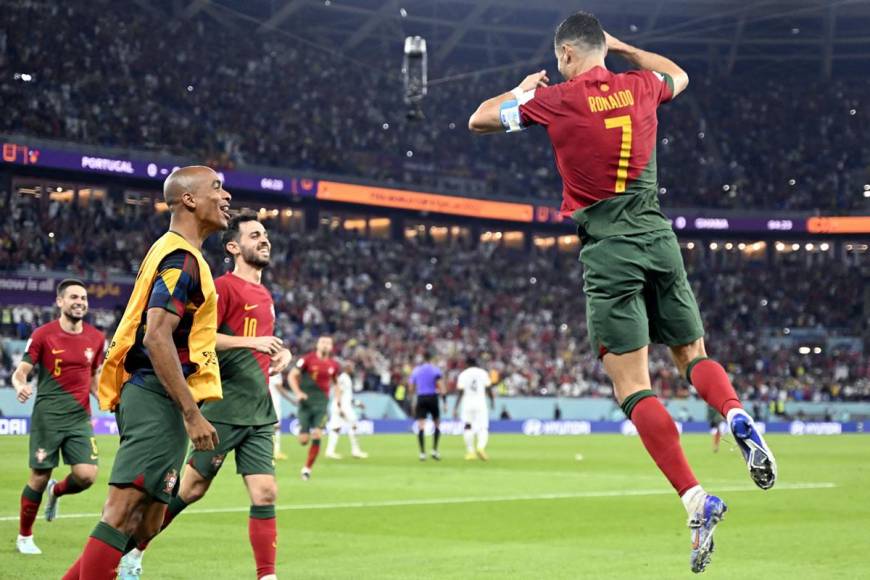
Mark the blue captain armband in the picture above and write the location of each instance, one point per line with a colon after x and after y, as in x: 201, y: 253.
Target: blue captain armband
x: 509, y: 113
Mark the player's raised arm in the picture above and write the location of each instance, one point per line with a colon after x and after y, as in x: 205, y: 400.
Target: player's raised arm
x: 649, y: 61
x: 501, y: 113
x: 164, y: 356
x: 23, y: 390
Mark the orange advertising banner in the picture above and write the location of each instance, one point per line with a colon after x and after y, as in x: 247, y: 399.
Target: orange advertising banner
x: 420, y: 201
x: 839, y: 225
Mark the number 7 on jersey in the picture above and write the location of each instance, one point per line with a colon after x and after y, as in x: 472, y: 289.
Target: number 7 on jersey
x: 623, y: 121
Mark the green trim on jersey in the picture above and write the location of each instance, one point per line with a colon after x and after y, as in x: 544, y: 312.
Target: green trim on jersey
x: 246, y: 400
x: 622, y: 215
x: 308, y: 386
x: 56, y: 405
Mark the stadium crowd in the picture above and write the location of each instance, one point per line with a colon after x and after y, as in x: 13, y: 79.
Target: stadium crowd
x: 522, y: 311
x: 273, y: 101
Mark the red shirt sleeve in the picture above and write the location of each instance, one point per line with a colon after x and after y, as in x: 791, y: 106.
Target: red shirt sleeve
x: 659, y: 85
x: 223, y: 291
x: 541, y: 108
x: 33, y: 349
x: 99, y: 349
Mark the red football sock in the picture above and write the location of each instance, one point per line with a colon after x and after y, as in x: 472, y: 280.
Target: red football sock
x: 73, y: 572
x: 99, y: 561
x: 30, y: 501
x: 312, y: 452
x: 662, y: 441
x: 264, y: 538
x: 68, y: 486
x: 711, y: 382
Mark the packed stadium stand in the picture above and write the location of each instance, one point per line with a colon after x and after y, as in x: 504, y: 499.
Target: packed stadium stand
x: 731, y: 142
x: 521, y: 308
x: 789, y: 317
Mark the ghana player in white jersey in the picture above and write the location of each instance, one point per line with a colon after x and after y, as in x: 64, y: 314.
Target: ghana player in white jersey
x: 343, y: 414
x: 474, y: 386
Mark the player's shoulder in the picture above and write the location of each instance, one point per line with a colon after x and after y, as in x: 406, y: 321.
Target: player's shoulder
x: 47, y: 329
x: 93, y: 332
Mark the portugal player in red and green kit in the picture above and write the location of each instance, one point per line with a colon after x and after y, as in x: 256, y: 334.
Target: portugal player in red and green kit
x: 311, y: 380
x: 248, y: 354
x: 602, y: 126
x: 68, y: 353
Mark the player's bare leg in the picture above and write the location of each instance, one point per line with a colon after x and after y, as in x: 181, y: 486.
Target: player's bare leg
x: 192, y: 488
x: 631, y: 384
x: 31, y: 498
x: 81, y: 477
x: 128, y: 512
x: 262, y: 527
x: 713, y: 385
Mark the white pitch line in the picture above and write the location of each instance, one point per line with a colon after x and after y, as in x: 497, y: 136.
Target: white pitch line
x: 463, y: 500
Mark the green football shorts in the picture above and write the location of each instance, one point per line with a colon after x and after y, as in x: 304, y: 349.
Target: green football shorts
x: 312, y: 413
x: 153, y: 443
x: 77, y: 443
x: 254, y: 447
x: 637, y: 292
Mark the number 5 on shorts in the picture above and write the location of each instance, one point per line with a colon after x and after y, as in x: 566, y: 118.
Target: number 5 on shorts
x: 624, y: 122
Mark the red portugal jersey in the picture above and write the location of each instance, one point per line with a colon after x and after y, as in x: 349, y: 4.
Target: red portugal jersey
x: 602, y: 126
x: 67, y: 362
x: 244, y: 309
x: 317, y: 374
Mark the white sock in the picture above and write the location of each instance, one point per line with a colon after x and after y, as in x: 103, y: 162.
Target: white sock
x: 468, y: 434
x: 354, y: 443
x: 693, y: 499
x: 136, y: 553
x: 734, y: 411
x: 333, y: 442
x: 482, y: 439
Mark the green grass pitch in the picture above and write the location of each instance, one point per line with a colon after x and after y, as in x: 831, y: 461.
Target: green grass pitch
x: 533, y: 511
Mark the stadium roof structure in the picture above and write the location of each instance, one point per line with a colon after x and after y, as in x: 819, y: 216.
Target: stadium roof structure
x: 813, y: 37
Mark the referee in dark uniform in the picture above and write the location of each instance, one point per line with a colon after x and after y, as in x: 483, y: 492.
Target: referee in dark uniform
x: 426, y: 385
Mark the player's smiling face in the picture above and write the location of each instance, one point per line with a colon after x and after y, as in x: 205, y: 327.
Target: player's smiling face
x: 254, y: 244
x: 213, y: 202
x: 73, y: 302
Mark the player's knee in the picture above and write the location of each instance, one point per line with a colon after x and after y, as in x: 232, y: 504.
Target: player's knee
x: 86, y: 480
x: 303, y: 439
x: 266, y: 495
x: 39, y: 480
x: 684, y: 354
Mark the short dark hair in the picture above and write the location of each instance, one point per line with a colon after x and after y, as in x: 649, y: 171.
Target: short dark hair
x: 231, y: 234
x: 471, y: 360
x: 67, y: 282
x: 580, y: 28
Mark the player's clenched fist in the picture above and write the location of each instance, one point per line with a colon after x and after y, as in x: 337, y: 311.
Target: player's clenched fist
x: 535, y: 80
x: 202, y: 434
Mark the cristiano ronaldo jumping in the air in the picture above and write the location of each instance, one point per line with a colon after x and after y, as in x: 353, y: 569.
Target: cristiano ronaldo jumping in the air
x: 603, y: 129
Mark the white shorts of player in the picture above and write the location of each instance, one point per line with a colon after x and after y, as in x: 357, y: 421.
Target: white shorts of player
x: 337, y: 422
x: 276, y: 400
x: 477, y: 417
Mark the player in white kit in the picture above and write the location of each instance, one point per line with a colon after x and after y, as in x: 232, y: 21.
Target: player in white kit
x: 277, y: 391
x: 342, y: 413
x: 474, y: 387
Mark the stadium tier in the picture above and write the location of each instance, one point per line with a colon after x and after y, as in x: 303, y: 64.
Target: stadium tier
x: 275, y: 101
x: 787, y: 316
